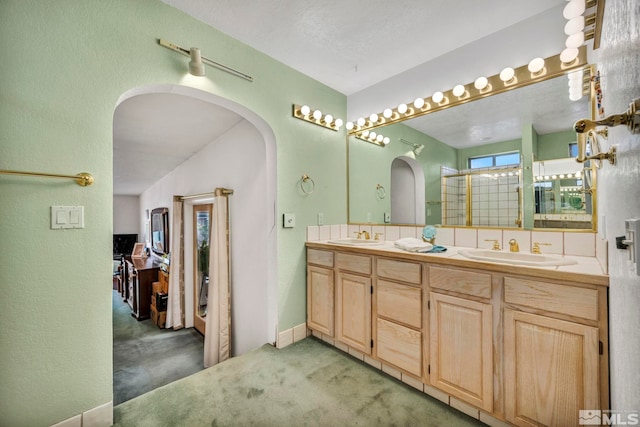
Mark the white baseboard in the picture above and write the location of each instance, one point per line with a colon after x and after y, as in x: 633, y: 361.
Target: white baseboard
x: 100, y: 416
x: 289, y: 336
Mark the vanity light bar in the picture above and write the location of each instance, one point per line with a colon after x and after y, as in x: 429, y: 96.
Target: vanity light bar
x: 507, y: 80
x: 373, y: 138
x: 306, y: 113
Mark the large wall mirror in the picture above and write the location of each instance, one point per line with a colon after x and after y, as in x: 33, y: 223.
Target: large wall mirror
x: 533, y: 124
x: 160, y: 231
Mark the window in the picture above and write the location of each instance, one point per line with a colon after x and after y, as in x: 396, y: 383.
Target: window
x: 505, y: 159
x: 573, y: 149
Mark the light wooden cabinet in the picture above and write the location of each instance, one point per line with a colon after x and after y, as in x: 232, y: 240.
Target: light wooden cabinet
x: 320, y: 297
x: 461, y: 362
x: 551, y: 369
x: 353, y: 311
x: 320, y: 291
x: 523, y: 346
x: 398, y: 312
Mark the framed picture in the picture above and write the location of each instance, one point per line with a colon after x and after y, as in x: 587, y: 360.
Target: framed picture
x: 138, y: 251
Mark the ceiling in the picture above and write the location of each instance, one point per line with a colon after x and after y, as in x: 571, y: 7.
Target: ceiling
x: 379, y: 53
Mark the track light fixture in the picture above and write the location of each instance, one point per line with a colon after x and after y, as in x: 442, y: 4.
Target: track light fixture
x: 304, y: 112
x: 196, y: 64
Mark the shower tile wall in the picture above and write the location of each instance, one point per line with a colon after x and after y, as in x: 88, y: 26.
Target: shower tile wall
x: 455, y: 198
x: 494, y: 200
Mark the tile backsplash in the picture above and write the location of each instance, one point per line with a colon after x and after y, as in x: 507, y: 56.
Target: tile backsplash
x: 551, y: 242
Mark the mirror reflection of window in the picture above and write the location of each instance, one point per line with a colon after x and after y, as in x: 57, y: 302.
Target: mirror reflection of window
x: 201, y: 233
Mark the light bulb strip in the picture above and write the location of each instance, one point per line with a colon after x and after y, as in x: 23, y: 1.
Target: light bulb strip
x: 366, y: 136
x: 323, y: 120
x: 553, y: 67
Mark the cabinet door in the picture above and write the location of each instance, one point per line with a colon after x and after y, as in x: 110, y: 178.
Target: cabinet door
x: 353, y: 311
x: 551, y: 369
x: 462, y: 349
x: 320, y: 299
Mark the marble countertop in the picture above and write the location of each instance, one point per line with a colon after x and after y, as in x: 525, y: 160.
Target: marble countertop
x: 586, y: 270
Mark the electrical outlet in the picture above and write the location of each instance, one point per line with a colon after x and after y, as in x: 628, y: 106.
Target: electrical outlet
x: 387, y: 217
x: 320, y: 218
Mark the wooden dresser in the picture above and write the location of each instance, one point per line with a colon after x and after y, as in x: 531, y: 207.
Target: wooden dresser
x: 141, y: 273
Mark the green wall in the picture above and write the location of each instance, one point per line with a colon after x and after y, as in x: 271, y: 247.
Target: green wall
x: 65, y: 65
x: 555, y: 145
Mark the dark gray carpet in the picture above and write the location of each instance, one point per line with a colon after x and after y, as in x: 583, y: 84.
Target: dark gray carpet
x: 146, y: 357
x: 305, y: 384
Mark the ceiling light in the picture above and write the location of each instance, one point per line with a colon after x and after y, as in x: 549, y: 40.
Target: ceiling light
x: 573, y: 9
x: 481, y: 83
x: 402, y: 108
x: 574, y: 25
x: 569, y: 55
x: 506, y: 75
x: 575, y: 41
x: 418, y: 103
x: 437, y: 97
x: 458, y: 90
x: 387, y: 113
x: 361, y: 121
x: 536, y: 65
x: 373, y: 118
x: 196, y: 67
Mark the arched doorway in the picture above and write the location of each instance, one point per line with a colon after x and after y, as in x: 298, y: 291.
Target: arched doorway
x: 407, y: 191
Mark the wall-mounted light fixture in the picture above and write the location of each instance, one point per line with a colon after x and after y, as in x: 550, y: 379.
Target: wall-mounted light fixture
x: 537, y: 70
x: 374, y: 138
x: 196, y: 66
x: 417, y: 148
x: 304, y: 112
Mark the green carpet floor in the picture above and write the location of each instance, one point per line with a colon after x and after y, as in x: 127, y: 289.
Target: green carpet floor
x: 146, y: 357
x: 307, y: 383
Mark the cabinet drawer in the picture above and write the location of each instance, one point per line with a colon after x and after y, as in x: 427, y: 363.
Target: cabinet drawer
x: 355, y: 263
x: 400, y: 346
x: 399, y: 270
x: 401, y: 303
x: 562, y: 299
x: 324, y: 258
x: 462, y: 281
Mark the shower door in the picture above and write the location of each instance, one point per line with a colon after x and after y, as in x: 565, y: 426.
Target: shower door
x: 202, y: 222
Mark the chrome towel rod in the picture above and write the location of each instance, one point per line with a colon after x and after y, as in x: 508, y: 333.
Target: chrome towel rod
x: 83, y: 179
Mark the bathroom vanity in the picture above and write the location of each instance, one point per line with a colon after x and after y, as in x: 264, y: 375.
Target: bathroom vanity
x: 503, y: 343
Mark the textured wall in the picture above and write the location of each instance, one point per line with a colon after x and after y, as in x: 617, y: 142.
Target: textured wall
x: 619, y: 196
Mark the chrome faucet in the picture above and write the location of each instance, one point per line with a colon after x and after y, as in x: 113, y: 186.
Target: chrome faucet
x: 513, y: 246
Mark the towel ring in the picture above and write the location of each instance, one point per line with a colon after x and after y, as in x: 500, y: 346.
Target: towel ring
x: 381, y: 192
x: 306, y: 178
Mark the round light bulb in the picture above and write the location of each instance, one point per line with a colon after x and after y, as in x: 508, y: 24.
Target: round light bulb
x: 569, y: 175
x: 561, y: 176
x: 387, y: 113
x: 573, y: 9
x: 576, y: 40
x: 458, y: 90
x: 578, y: 174
x: 386, y: 140
x: 365, y: 134
x: 349, y: 125
x: 402, y: 108
x: 379, y: 138
x: 575, y: 96
x: 568, y: 55
x: 317, y: 115
x: 328, y: 119
x: 437, y: 97
x: 372, y: 135
x: 360, y: 121
x: 338, y: 123
x: 574, y: 25
x: 373, y: 118
x: 481, y: 83
x: 305, y: 110
x: 536, y: 65
x: 507, y: 74
x: 418, y: 103
x: 576, y: 75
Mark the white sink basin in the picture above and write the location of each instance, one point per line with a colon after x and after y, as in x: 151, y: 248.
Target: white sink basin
x: 357, y: 242
x: 517, y: 258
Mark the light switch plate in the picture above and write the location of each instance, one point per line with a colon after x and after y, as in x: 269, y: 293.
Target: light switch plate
x: 67, y: 217
x: 289, y: 220
x: 320, y: 218
x: 387, y: 217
